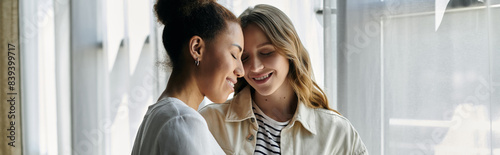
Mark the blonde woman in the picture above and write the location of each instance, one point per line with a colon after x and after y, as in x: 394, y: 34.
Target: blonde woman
x: 277, y: 107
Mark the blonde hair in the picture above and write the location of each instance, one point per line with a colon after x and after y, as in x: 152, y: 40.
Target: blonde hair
x: 281, y: 32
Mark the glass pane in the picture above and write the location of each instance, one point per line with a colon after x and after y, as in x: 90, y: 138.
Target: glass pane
x: 330, y: 51
x: 495, y: 85
x: 422, y: 77
x: 431, y: 82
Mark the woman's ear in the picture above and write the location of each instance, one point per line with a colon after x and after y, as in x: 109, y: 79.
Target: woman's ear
x: 196, y: 47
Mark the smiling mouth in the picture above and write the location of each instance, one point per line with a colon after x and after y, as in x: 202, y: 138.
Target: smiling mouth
x: 230, y: 83
x: 263, y: 77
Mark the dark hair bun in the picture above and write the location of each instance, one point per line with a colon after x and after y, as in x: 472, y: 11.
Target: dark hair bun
x: 186, y: 18
x: 172, y: 10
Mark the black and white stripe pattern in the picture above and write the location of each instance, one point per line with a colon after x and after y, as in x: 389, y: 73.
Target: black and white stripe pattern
x: 269, y: 133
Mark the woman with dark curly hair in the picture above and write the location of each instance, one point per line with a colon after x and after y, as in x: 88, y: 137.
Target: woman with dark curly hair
x: 204, y: 43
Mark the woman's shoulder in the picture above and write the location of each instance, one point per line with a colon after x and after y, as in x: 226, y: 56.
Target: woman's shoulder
x: 215, y: 109
x: 184, y: 127
x: 330, y: 114
x: 330, y: 118
x: 339, y: 126
x: 175, y: 116
x: 172, y: 106
x: 168, y: 120
x: 168, y: 109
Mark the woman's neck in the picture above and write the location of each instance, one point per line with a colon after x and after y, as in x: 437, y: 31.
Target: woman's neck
x: 182, y: 86
x: 280, y: 105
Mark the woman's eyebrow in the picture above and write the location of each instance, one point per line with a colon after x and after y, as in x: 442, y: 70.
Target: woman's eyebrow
x: 263, y: 44
x: 239, y: 47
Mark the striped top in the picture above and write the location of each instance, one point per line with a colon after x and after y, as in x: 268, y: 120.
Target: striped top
x: 268, y: 135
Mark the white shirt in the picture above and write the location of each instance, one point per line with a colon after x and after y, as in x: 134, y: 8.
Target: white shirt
x: 172, y: 127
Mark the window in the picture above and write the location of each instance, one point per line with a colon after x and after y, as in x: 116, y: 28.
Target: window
x: 89, y: 74
x: 421, y: 77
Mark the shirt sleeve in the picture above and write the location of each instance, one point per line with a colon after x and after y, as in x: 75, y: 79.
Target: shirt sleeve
x: 187, y: 135
x: 358, y: 146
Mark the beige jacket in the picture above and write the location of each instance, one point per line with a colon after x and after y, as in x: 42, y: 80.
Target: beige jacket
x: 311, y: 131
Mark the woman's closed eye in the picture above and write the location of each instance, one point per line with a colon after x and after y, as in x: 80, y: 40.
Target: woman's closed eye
x: 267, y: 53
x: 244, y: 58
x: 235, y: 54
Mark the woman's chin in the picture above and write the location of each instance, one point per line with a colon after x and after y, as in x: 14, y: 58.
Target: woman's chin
x: 218, y: 99
x: 264, y: 92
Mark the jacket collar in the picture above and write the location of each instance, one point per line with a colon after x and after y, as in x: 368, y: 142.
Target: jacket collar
x: 305, y: 115
x: 240, y: 109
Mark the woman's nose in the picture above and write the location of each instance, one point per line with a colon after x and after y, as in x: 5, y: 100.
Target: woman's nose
x: 254, y: 65
x: 239, y: 71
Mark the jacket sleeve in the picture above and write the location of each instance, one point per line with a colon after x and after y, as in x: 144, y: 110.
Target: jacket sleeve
x: 358, y: 147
